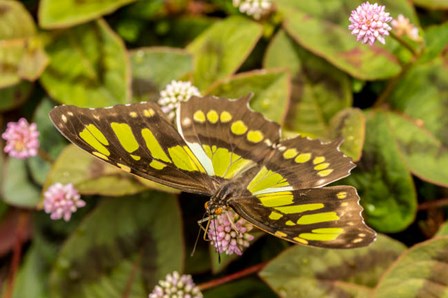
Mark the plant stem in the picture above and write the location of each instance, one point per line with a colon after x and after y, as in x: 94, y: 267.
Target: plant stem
x: 17, y: 253
x: 231, y: 277
x: 433, y: 204
x: 45, y: 156
x: 405, y: 44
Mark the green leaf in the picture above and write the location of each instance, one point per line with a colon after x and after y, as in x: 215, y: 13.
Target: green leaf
x: 59, y: 14
x: 420, y: 94
x: 221, y: 49
x: 382, y: 178
x: 350, y: 124
x: 32, y: 274
x: 50, y: 140
x: 17, y: 189
x: 15, y: 22
x: 422, y: 271
x: 90, y: 175
x: 313, y: 272
x: 319, y: 89
x: 271, y: 89
x: 436, y: 39
x: 88, y: 67
x: 432, y: 4
x: 21, y: 52
x: 311, y: 27
x: 154, y: 68
x: 423, y: 154
x: 122, y: 249
x: 13, y: 96
x: 443, y: 230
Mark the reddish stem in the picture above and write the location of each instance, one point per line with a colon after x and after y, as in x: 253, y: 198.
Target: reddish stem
x: 231, y: 277
x: 17, y: 253
x: 433, y: 204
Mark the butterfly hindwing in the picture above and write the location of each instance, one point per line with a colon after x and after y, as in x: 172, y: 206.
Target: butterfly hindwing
x: 324, y: 217
x: 300, y: 163
x: 137, y: 138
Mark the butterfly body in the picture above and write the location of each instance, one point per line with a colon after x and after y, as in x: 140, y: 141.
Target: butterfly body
x: 221, y: 148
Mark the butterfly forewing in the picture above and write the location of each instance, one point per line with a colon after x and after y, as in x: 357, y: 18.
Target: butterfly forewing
x: 138, y: 139
x: 325, y: 217
x: 228, y: 135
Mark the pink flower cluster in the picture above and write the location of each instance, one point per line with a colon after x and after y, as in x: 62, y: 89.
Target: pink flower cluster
x: 61, y: 201
x: 370, y: 23
x: 176, y: 285
x: 21, y: 139
x: 229, y: 233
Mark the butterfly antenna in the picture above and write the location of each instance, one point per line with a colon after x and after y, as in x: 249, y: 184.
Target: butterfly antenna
x: 201, y: 228
x: 216, y: 242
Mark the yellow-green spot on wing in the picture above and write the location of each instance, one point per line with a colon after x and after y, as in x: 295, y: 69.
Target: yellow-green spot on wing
x: 125, y: 136
x: 341, y: 195
x: 238, y: 127
x: 199, y: 116
x: 322, y: 166
x: 325, y: 173
x: 155, y: 164
x: 212, y: 116
x: 317, y: 217
x: 275, y: 215
x: 255, y: 136
x: 225, y: 163
x: 300, y: 208
x: 290, y: 153
x: 328, y: 231
x: 276, y: 199
x: 154, y: 146
x: 266, y: 179
x: 318, y: 159
x: 225, y: 117
x: 303, y: 157
x: 318, y: 237
x: 184, y: 159
x: 102, y: 156
x: 93, y: 136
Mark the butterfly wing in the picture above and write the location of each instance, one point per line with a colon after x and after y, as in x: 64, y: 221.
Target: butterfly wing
x: 327, y: 217
x: 137, y: 138
x: 226, y: 135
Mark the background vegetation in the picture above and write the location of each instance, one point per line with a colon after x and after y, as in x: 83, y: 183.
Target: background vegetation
x: 307, y: 72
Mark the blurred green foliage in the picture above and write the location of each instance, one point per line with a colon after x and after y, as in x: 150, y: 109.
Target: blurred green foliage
x: 306, y: 71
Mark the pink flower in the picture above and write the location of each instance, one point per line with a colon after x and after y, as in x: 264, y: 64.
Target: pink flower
x: 229, y: 233
x: 61, y: 201
x: 176, y: 285
x: 370, y: 22
x: 402, y: 26
x: 21, y: 139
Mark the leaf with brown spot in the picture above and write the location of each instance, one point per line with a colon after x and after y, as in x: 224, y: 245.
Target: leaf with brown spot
x: 422, y: 271
x: 122, y: 248
x: 309, y: 272
x: 90, y: 175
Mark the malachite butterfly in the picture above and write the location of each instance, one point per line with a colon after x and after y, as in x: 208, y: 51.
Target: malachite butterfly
x: 221, y: 148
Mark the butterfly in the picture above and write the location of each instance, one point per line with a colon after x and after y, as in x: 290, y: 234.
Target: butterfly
x: 221, y: 148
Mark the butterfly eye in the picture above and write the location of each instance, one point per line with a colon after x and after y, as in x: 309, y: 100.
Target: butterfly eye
x: 206, y: 205
x: 218, y: 211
